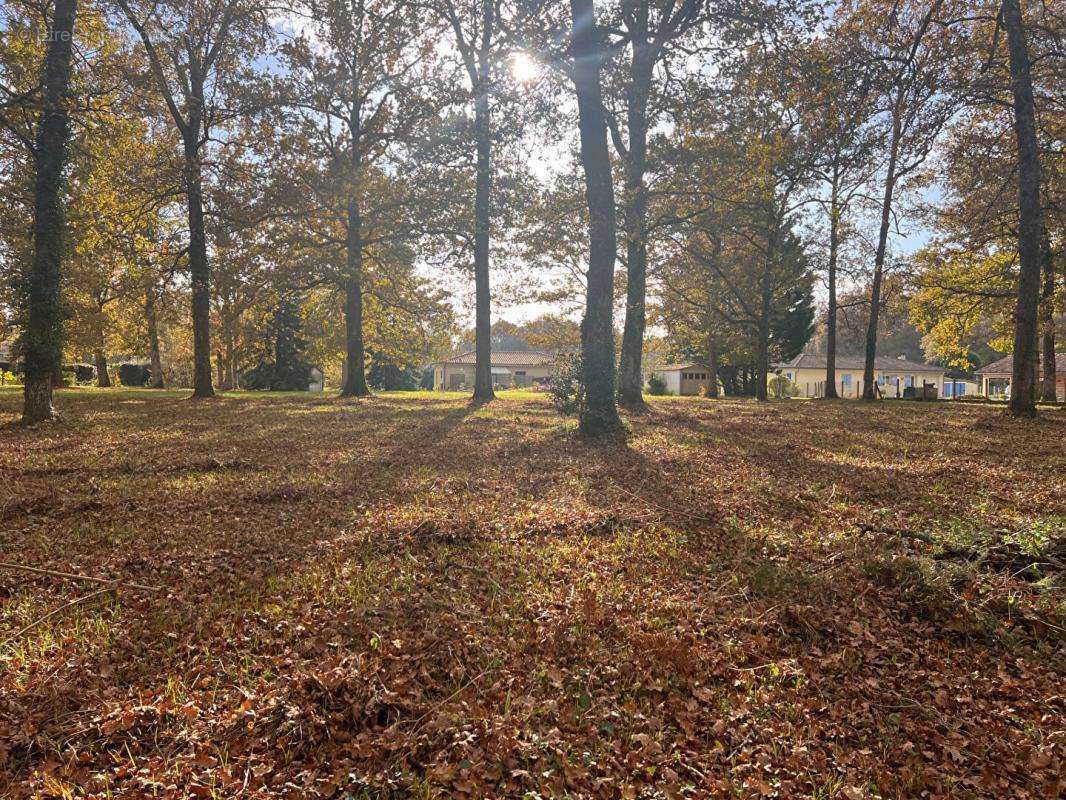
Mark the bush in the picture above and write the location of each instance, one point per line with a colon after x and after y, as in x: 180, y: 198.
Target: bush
x: 388, y: 377
x: 778, y: 386
x: 281, y: 367
x: 134, y: 374
x: 78, y: 374
x: 271, y: 378
x: 566, y: 386
x: 656, y: 385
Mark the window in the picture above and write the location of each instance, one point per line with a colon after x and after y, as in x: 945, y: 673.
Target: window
x: 788, y: 375
x: 845, y: 380
x: 960, y: 389
x: 520, y: 373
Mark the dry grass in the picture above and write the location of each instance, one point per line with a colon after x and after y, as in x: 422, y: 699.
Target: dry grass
x: 410, y: 597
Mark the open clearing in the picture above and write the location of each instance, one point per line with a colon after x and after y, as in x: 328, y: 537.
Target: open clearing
x: 410, y: 597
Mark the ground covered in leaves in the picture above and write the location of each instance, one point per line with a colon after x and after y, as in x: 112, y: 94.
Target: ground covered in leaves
x: 410, y: 597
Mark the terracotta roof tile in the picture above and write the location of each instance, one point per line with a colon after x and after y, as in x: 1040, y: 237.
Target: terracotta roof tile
x: 1005, y: 366
x: 507, y: 358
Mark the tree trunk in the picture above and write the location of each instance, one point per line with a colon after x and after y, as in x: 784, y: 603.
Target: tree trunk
x: 831, y: 312
x: 1023, y: 378
x: 199, y: 269
x: 599, y: 415
x: 152, y: 322
x: 1047, y: 322
x: 354, y: 350
x: 103, y: 380
x: 630, y: 383
x: 43, y: 337
x: 482, y: 210
x: 231, y: 363
x: 712, y: 364
x: 762, y: 359
x: 869, y: 389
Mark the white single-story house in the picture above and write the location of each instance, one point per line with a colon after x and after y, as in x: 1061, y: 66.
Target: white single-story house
x: 959, y: 387
x: 893, y: 375
x: 686, y: 378
x: 510, y: 368
x: 995, y: 378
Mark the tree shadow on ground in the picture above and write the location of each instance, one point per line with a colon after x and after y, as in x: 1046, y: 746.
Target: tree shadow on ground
x: 350, y: 573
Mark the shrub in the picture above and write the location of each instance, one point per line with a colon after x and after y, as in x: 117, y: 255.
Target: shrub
x: 566, y: 386
x: 780, y: 387
x: 656, y: 385
x: 389, y: 377
x: 133, y: 374
x: 78, y: 374
x: 281, y: 366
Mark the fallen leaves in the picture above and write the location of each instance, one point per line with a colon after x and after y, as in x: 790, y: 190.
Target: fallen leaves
x: 412, y: 598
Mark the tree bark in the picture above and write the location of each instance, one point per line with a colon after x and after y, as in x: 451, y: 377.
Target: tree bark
x: 630, y: 383
x: 1047, y: 322
x: 199, y: 268
x: 231, y: 363
x: 762, y: 358
x: 354, y: 349
x: 103, y: 380
x: 712, y: 364
x: 355, y: 353
x: 43, y: 336
x: 599, y: 415
x: 1023, y: 378
x: 482, y: 211
x: 152, y: 322
x: 831, y: 311
x: 869, y: 390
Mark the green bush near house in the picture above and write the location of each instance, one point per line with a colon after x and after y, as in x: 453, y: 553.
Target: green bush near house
x: 780, y: 387
x: 656, y: 385
x: 566, y: 386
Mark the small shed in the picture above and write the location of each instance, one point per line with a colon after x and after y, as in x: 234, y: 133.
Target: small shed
x: 684, y: 379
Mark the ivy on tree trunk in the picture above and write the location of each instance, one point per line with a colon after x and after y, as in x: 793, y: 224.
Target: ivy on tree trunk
x: 1025, y: 362
x: 44, y: 321
x: 599, y: 415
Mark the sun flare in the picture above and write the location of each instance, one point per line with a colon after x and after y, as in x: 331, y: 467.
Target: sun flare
x: 523, y: 67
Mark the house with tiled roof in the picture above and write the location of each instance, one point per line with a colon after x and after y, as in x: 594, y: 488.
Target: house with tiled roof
x: 510, y: 368
x: 995, y: 378
x: 893, y: 375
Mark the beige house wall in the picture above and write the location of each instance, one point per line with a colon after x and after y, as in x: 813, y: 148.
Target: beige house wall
x: 849, y: 381
x: 460, y: 377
